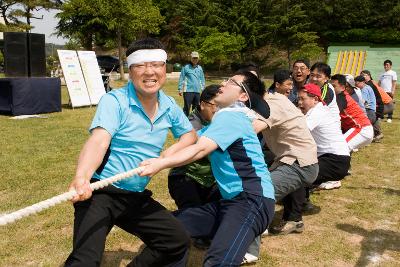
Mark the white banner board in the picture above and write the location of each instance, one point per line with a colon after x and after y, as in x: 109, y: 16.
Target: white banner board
x: 92, y: 74
x: 74, y: 79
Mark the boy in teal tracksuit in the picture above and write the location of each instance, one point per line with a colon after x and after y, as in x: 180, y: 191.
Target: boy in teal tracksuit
x: 247, y: 205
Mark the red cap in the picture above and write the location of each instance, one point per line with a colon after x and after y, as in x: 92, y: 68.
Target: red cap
x: 314, y: 90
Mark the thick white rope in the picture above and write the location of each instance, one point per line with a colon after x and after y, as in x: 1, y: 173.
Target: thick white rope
x: 35, y: 208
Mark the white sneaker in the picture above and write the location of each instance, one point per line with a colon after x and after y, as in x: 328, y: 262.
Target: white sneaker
x: 249, y: 258
x: 265, y: 232
x: 389, y: 120
x: 330, y: 185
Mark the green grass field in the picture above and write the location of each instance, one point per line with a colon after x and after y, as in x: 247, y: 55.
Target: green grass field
x: 359, y: 224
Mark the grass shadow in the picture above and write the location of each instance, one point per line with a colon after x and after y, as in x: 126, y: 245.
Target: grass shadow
x: 123, y: 257
x: 6, y: 113
x: 388, y: 191
x: 69, y: 106
x: 374, y: 243
x: 117, y: 258
x: 66, y: 106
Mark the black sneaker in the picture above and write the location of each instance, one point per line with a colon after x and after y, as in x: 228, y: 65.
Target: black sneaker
x: 377, y: 138
x: 287, y: 227
x: 309, y: 208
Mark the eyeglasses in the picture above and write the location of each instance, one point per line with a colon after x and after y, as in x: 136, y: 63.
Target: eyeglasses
x: 302, y: 69
x: 317, y: 76
x: 230, y: 80
x: 241, y: 85
x: 211, y: 104
x: 155, y: 65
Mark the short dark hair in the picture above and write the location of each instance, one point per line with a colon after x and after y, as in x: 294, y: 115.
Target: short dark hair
x: 145, y: 43
x: 387, y: 61
x: 209, y: 92
x: 340, y: 78
x: 359, y: 79
x: 367, y: 72
x: 249, y: 66
x: 256, y: 90
x: 322, y: 67
x: 282, y: 75
x: 302, y: 60
x: 252, y: 82
x: 279, y: 77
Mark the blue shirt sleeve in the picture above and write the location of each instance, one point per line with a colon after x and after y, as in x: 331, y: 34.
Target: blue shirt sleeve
x: 107, y: 115
x: 182, y: 77
x: 180, y: 123
x: 369, y: 96
x: 203, y: 80
x: 225, y: 128
x: 372, y: 97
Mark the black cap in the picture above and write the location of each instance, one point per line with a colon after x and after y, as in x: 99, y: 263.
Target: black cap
x: 359, y: 79
x: 259, y: 105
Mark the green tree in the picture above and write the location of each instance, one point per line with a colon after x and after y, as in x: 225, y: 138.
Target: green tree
x: 5, y: 7
x: 108, y: 22
x: 80, y: 20
x: 300, y: 28
x: 183, y: 19
x: 217, y: 47
x: 354, y: 20
x: 73, y: 44
x: 289, y: 29
x: 128, y: 19
x: 244, y: 17
x: 239, y: 17
x: 25, y: 8
x: 11, y: 23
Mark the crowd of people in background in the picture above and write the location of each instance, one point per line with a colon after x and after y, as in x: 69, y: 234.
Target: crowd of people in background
x: 241, y: 149
x: 316, y: 122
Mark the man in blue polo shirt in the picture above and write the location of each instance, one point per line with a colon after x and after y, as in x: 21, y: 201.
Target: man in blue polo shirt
x: 242, y: 176
x: 130, y: 125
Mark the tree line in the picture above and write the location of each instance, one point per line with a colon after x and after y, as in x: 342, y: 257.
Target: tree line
x: 223, y: 31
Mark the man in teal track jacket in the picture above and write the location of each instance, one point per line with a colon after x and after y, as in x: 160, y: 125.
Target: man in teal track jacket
x: 191, y: 83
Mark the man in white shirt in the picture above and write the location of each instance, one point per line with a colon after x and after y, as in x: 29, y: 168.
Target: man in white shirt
x: 387, y: 81
x: 332, y: 149
x: 320, y: 73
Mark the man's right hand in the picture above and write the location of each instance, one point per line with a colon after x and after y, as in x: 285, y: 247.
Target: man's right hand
x: 82, y: 188
x: 180, y: 93
x: 90, y: 158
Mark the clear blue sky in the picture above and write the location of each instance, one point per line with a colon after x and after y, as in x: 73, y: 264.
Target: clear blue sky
x: 47, y: 26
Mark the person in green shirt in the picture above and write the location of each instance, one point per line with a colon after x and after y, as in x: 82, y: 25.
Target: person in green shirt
x: 194, y: 184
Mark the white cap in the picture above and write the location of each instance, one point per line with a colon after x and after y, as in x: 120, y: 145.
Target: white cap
x: 194, y: 54
x: 350, y: 80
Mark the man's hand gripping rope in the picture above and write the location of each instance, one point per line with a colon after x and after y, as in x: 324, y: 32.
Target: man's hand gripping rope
x: 70, y: 195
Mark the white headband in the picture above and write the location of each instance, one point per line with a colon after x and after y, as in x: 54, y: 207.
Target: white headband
x: 146, y: 55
